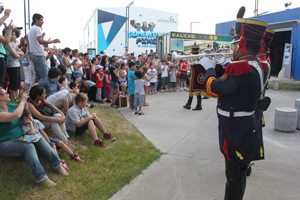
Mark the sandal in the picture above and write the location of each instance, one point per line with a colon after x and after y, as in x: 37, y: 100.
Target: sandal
x: 146, y: 104
x: 64, y: 164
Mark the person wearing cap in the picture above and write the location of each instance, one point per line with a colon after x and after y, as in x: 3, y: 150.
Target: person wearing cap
x: 239, y: 95
x: 195, y: 49
x: 99, y: 82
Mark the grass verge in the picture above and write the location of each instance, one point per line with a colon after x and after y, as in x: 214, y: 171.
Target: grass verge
x: 287, y: 86
x: 104, y: 172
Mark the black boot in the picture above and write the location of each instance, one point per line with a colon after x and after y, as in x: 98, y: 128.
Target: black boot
x: 187, y: 106
x: 198, y: 107
x: 235, y: 185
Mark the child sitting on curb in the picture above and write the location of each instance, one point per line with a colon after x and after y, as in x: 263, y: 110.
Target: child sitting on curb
x: 32, y: 126
x: 79, y: 119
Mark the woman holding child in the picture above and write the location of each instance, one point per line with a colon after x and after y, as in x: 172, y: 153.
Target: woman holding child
x: 56, y: 122
x: 10, y: 130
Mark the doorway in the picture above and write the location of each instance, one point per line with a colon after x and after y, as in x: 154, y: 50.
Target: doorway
x: 277, y: 50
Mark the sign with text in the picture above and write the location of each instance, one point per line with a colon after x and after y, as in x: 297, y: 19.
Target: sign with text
x: 195, y: 36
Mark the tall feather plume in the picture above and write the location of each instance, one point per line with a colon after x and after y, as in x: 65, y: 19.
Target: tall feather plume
x: 241, y: 12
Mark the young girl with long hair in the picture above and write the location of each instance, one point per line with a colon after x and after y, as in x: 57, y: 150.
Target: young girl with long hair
x: 99, y: 82
x: 146, y: 85
x: 122, y: 78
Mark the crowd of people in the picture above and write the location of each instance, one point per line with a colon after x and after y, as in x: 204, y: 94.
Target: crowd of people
x: 51, y: 88
x: 60, y: 78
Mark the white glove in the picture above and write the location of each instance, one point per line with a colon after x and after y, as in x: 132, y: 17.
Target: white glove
x: 208, y: 63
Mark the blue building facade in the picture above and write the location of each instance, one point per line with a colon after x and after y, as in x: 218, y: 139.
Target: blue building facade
x: 286, y: 25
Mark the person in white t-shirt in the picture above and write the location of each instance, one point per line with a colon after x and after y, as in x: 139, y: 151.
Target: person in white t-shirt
x: 139, y: 93
x: 164, y: 75
x: 78, y: 70
x: 152, y: 77
x: 36, y: 50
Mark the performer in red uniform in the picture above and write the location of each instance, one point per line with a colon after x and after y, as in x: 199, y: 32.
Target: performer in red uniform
x: 239, y: 93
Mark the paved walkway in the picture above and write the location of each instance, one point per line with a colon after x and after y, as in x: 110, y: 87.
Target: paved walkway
x: 192, y: 167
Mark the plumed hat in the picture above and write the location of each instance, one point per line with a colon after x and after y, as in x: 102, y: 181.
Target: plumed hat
x: 248, y: 31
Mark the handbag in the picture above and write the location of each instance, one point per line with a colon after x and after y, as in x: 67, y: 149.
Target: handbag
x: 47, y: 110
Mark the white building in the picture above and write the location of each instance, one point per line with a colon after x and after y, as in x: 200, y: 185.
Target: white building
x: 105, y: 29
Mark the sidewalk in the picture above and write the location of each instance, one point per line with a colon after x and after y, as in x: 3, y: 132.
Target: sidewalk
x: 192, y: 167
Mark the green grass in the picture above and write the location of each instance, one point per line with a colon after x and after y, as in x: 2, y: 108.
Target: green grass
x: 287, y: 86
x: 104, y: 172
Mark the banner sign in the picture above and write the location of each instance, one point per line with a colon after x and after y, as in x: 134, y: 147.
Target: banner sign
x: 195, y: 36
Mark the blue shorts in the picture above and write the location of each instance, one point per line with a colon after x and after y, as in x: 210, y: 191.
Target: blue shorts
x: 114, y: 85
x: 40, y: 66
x: 53, y: 141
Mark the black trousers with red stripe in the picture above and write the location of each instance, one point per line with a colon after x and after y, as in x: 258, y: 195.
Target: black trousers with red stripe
x: 235, y: 185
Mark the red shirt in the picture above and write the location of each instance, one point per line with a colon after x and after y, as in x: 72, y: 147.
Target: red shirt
x: 184, y: 67
x: 41, y: 104
x: 99, y: 84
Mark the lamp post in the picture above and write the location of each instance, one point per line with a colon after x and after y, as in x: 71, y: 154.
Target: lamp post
x: 25, y: 20
x: 127, y: 25
x: 192, y: 25
x: 256, y: 8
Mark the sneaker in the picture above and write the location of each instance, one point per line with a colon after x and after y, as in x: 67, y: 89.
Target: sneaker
x: 181, y: 89
x: 162, y: 91
x: 76, y: 157
x: 109, y: 136
x: 100, y: 144
x: 185, y: 88
x: 150, y: 93
x: 63, y: 162
x: 135, y: 112
x: 108, y: 101
x: 140, y: 113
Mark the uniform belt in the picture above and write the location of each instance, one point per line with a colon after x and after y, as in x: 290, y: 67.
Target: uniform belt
x: 235, y: 114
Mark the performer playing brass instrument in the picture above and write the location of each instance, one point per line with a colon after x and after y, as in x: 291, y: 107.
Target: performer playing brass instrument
x: 197, y: 84
x: 239, y: 92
